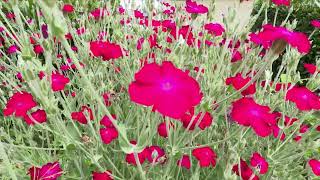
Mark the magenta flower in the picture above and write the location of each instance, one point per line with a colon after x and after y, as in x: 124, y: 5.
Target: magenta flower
x: 68, y: 8
x: 215, y: 29
x: 155, y: 154
x: 99, y: 13
x: 206, y: 156
x: 50, y: 171
x: 236, y: 56
x: 184, y: 162
x: 107, y: 175
x: 38, y: 49
x: 106, y: 50
x: 247, y: 112
x: 304, y: 99
x: 19, y: 104
x: 12, y: 49
x: 245, y: 171
x: 194, y: 8
x: 311, y: 68
x: 315, y: 23
x: 58, y: 81
x: 169, y: 90
x: 38, y: 116
x: 303, y: 128
x: 142, y: 156
x: 271, y: 33
x: 162, y: 129
x: 204, y: 123
x: 185, y: 32
x: 315, y: 166
x: 109, y: 132
x: 259, y: 162
x: 238, y: 82
x: 81, y: 117
x: 281, y: 2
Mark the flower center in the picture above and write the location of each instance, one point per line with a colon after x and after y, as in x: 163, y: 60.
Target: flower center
x: 255, y: 112
x: 167, y: 86
x: 305, y: 97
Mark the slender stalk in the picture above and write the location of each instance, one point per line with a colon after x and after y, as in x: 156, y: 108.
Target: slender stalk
x: 7, y: 163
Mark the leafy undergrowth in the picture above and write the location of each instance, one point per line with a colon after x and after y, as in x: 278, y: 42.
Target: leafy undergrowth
x: 93, y: 90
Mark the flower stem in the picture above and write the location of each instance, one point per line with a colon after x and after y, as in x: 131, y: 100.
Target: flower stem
x: 6, y: 161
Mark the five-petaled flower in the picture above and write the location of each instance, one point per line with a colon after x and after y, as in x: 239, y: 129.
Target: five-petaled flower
x: 205, y: 156
x: 49, y: 171
x: 169, y: 90
x: 315, y: 166
x: 304, y: 99
x: 194, y: 8
x: 259, y: 162
x: 247, y: 112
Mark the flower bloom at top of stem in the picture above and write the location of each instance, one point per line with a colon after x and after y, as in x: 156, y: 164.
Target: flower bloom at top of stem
x: 247, y: 112
x: 205, y: 156
x: 271, y: 33
x: 260, y: 162
x: 194, y: 8
x: 49, y: 171
x: 19, y: 104
x: 281, y: 2
x: 169, y: 90
x: 315, y: 166
x: 304, y: 99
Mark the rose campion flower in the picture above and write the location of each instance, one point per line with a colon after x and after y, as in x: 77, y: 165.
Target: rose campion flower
x: 205, y: 156
x: 140, y: 43
x: 38, y: 49
x: 259, y: 162
x: 236, y: 56
x: 108, y: 135
x: 204, y: 123
x: 138, y: 14
x: 315, y: 166
x: 289, y: 121
x: 109, y: 132
x: 58, y: 81
x: 303, y: 128
x: 12, y: 49
x: 142, y: 156
x: 80, y: 115
x: 68, y: 8
x: 49, y: 171
x: 194, y: 8
x: 215, y: 29
x: 315, y: 23
x: 155, y: 154
x: 311, y: 68
x: 247, y: 112
x: 238, y: 82
x: 169, y: 90
x: 278, y: 86
x: 271, y: 33
x: 98, y: 13
x: 19, y: 104
x: 162, y: 129
x: 107, y: 175
x: 304, y: 99
x: 185, y: 32
x: 38, y: 116
x: 184, y: 162
x: 106, y: 50
x: 245, y: 171
x: 281, y: 2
